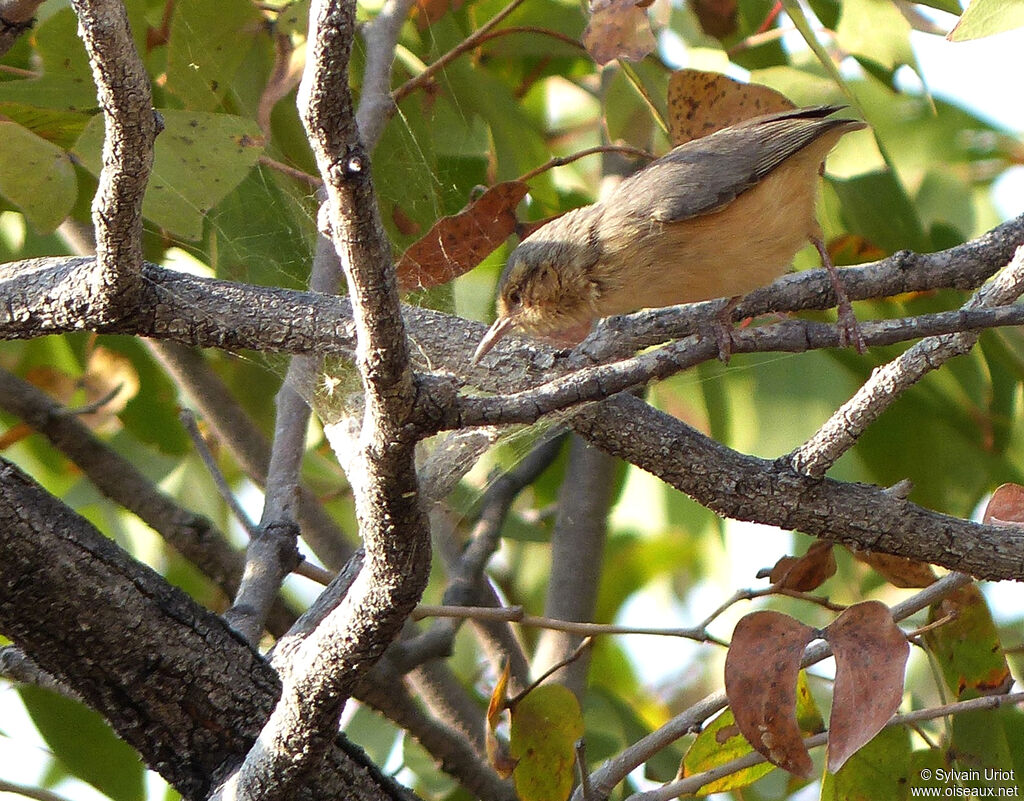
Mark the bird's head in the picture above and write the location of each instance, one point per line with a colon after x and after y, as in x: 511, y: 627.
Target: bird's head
x: 548, y: 289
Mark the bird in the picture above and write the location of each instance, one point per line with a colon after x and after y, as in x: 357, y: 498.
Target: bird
x: 715, y: 217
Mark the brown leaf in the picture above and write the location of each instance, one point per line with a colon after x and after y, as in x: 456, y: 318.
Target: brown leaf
x: 898, y: 570
x: 761, y: 670
x: 457, y: 244
x: 700, y: 103
x: 716, y: 17
x: 1006, y: 506
x: 807, y: 572
x: 618, y: 29
x: 871, y: 655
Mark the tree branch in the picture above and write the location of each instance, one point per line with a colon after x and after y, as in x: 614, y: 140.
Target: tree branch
x: 192, y: 535
x: 748, y: 488
x: 173, y: 680
x: 123, y: 90
x: 326, y: 666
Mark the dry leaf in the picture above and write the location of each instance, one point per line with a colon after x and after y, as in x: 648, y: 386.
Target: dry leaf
x: 457, y: 244
x: 700, y: 103
x: 618, y: 29
x: 716, y: 17
x: 761, y: 672
x: 898, y: 570
x: 807, y: 572
x: 1006, y: 506
x: 871, y: 655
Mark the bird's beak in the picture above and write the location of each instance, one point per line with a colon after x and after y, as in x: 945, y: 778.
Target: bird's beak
x: 501, y: 327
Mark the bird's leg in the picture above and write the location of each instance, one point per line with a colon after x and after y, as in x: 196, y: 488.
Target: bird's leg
x: 721, y: 328
x: 849, y: 330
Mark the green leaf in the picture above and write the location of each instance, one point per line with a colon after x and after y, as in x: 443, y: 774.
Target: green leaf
x: 877, y: 30
x: 36, y: 176
x: 877, y: 772
x: 85, y: 744
x: 545, y: 727
x: 199, y: 158
x: 987, y: 17
x: 967, y: 647
x: 876, y: 206
x: 208, y: 43
x: 61, y: 128
x: 719, y: 742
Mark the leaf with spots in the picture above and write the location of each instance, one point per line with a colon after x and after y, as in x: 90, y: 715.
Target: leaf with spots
x: 546, y: 724
x: 871, y: 655
x: 700, y: 103
x: 198, y: 159
x: 457, y: 244
x: 721, y: 741
x: 967, y: 646
x: 761, y: 672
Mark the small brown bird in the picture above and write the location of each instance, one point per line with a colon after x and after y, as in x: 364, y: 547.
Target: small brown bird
x: 715, y: 217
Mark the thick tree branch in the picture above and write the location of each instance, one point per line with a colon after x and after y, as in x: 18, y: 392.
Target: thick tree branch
x: 192, y: 535
x: 46, y: 296
x: 122, y: 87
x: 577, y: 558
x: 173, y: 680
x: 375, y: 103
x: 748, y: 488
x: 326, y: 666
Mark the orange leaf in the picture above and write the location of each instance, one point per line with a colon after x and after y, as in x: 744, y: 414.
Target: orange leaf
x: 457, y: 244
x: 871, y: 654
x: 761, y: 671
x: 618, y: 29
x: 700, y: 103
x: 497, y: 751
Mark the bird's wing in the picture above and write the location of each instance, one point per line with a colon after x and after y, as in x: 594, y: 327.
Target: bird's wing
x: 706, y: 174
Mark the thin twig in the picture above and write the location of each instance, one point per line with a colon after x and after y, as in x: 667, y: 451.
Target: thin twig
x: 464, y: 46
x: 576, y: 654
x: 292, y: 172
x: 515, y: 614
x: 561, y: 161
x: 692, y: 784
x: 188, y: 420
x: 96, y: 405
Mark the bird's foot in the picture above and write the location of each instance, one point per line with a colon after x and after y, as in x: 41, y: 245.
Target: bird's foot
x: 849, y: 329
x: 720, y: 327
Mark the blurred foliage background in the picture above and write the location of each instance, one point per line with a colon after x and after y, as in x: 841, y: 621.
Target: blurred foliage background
x: 228, y: 199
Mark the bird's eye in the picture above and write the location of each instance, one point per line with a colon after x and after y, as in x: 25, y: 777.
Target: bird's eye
x: 514, y: 298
